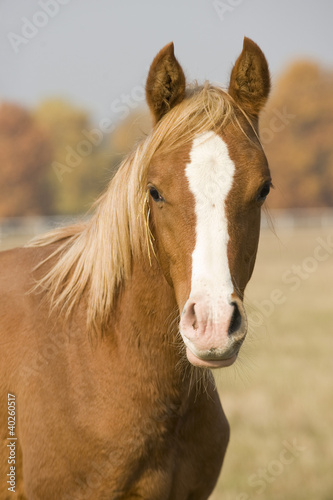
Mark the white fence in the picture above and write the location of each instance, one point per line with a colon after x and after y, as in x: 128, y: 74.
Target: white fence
x: 298, y: 217
x: 28, y: 227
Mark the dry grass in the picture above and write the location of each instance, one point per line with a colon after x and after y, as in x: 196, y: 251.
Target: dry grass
x: 280, y: 390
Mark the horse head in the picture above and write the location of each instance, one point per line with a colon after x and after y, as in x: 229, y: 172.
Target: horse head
x: 207, y: 181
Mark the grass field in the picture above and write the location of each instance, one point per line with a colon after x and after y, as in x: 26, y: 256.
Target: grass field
x: 279, y: 395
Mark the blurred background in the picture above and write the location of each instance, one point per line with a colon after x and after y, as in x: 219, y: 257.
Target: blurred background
x: 72, y: 105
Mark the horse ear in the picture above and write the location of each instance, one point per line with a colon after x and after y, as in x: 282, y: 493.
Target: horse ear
x: 250, y: 80
x: 165, y: 85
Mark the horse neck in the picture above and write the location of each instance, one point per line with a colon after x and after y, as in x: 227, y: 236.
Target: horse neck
x: 147, y: 321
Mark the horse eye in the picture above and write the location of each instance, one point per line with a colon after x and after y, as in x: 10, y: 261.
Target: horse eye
x: 155, y: 194
x: 264, y: 191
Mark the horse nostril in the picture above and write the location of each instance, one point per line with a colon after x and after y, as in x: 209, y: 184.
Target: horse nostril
x: 190, y: 317
x: 236, y: 320
x: 193, y: 317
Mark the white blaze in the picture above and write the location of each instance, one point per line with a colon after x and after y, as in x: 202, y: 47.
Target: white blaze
x: 210, y: 176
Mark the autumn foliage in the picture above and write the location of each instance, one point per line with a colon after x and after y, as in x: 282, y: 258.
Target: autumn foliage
x: 25, y: 154
x: 297, y: 133
x: 82, y: 160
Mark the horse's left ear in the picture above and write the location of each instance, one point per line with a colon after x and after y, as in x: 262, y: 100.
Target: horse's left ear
x: 250, y: 79
x: 165, y: 85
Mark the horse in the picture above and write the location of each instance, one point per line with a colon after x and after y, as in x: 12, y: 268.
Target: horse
x: 110, y: 328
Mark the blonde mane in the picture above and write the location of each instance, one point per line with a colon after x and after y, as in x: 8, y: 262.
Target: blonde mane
x: 96, y: 257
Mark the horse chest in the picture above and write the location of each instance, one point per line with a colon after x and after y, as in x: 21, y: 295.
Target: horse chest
x: 163, y: 449
x: 119, y: 441
x: 158, y: 454
x: 153, y: 455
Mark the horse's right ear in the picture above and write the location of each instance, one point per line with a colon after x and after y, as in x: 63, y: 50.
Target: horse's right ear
x: 165, y: 85
x: 250, y: 79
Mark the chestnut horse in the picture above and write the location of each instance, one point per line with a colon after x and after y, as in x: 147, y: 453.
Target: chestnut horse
x: 108, y: 327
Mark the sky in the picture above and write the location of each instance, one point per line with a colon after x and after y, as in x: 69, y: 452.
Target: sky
x: 97, y: 53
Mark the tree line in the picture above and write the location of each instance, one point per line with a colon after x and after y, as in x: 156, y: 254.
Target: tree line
x: 54, y: 161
